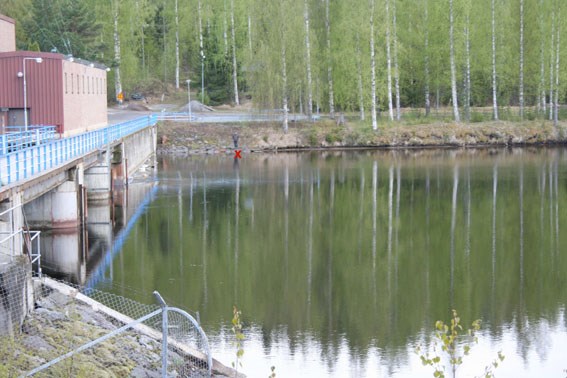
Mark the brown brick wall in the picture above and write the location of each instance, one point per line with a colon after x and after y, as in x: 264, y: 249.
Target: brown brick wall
x: 7, y: 34
x: 84, y: 98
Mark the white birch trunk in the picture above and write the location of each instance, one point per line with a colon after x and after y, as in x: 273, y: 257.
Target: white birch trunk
x: 494, y: 90
x: 250, y: 34
x: 521, y: 94
x: 542, y: 102
x: 373, y: 68
x: 360, y: 88
x: 176, y: 45
x: 308, y: 59
x: 453, y: 68
x: 427, y: 74
x: 389, y: 62
x: 234, y: 65
x: 396, y: 67
x: 557, y: 56
x: 284, y: 85
x: 117, y: 80
x: 201, y: 51
x: 551, y: 50
x: 468, y: 73
x: 330, y: 61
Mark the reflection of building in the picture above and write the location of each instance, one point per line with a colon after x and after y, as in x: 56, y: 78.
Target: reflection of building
x: 61, y: 91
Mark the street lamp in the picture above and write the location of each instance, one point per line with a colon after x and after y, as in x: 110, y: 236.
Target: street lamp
x: 189, y: 98
x: 37, y: 60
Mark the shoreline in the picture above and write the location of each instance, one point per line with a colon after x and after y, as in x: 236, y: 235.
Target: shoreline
x: 199, y: 139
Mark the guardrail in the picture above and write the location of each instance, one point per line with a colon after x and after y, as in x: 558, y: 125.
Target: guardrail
x: 17, y: 137
x: 25, y: 163
x: 174, y: 116
x: 31, y: 242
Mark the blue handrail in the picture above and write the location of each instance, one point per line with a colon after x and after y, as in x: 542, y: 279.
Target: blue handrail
x: 24, y: 163
x: 17, y: 137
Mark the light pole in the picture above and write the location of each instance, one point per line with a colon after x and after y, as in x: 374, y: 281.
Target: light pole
x: 37, y: 60
x: 189, y: 98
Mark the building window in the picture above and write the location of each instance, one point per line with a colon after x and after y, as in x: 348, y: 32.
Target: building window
x: 72, y: 84
x: 78, y: 84
x: 65, y: 82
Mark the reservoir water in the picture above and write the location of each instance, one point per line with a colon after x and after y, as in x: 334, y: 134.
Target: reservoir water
x: 341, y: 262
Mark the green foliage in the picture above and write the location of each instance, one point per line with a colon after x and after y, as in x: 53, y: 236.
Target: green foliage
x: 312, y: 137
x: 453, y: 344
x: 65, y: 26
x: 238, y: 336
x: 333, y: 135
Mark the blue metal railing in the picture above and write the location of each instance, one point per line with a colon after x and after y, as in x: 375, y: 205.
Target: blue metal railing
x: 17, y: 137
x: 25, y: 163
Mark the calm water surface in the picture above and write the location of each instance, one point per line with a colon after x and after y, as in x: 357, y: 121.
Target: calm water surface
x: 342, y: 262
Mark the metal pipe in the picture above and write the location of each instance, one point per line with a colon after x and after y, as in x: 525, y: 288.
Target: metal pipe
x: 37, y: 60
x: 164, y: 331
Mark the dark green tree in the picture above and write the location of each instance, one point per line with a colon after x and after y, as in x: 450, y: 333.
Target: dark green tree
x: 65, y: 26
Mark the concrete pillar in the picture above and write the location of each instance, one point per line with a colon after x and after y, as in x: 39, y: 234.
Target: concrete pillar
x: 58, y: 209
x: 97, y: 179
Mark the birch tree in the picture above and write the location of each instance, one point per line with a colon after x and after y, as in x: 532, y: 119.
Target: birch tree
x: 453, y: 66
x: 201, y: 50
x: 284, y: 88
x: 551, y: 54
x: 468, y: 71
x: 426, y: 59
x: 396, y: 66
x: 521, y: 94
x: 373, y: 68
x: 308, y: 59
x: 234, y: 64
x: 389, y: 62
x: 541, y: 89
x: 177, y: 63
x: 329, y: 61
x: 117, y: 79
x: 557, y: 57
x: 494, y: 89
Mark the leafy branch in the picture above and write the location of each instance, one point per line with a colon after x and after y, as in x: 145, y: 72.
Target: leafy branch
x: 238, y: 336
x: 453, y: 343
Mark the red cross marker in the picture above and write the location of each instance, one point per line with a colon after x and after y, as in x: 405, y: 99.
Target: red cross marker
x: 237, y: 154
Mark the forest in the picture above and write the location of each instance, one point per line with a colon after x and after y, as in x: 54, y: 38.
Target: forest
x: 370, y: 58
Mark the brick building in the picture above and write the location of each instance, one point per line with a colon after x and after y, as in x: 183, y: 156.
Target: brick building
x: 61, y: 91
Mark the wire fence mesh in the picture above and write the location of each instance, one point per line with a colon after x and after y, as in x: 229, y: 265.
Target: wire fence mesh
x: 67, y: 317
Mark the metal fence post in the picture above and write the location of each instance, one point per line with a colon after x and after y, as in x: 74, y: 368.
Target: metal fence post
x: 164, y: 328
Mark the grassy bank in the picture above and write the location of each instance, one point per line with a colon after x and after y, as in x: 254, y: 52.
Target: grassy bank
x: 202, y: 138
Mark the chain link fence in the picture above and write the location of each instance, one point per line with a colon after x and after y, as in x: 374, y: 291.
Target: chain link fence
x: 76, y: 331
